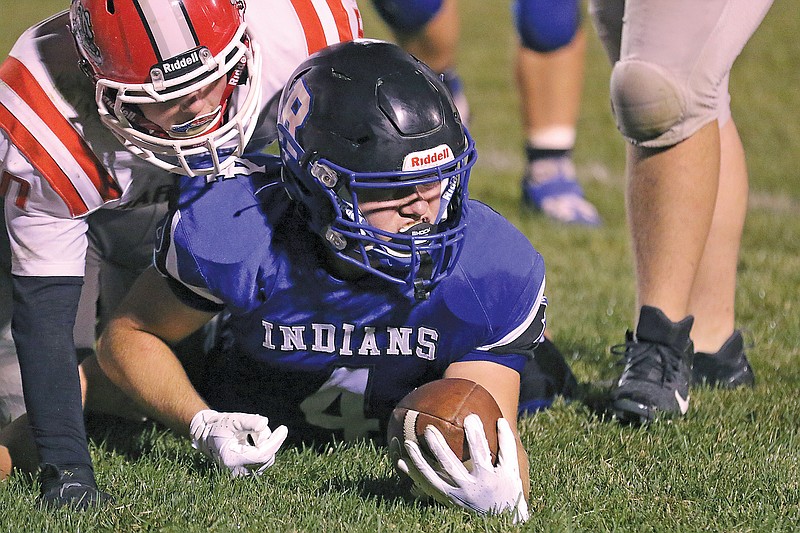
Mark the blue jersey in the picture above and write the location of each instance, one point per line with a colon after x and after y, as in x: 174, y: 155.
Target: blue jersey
x: 326, y: 356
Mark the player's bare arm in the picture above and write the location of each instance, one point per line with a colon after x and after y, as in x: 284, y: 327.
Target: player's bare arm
x: 135, y: 347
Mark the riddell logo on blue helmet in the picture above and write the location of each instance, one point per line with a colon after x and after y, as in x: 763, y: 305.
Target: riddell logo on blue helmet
x: 430, y: 158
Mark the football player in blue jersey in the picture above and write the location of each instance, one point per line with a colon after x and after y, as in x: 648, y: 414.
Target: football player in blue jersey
x: 375, y: 274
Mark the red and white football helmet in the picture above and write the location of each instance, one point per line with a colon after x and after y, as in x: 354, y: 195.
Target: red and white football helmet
x: 148, y: 51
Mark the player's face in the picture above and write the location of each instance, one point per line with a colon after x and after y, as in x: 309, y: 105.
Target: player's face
x: 400, y: 208
x: 190, y: 115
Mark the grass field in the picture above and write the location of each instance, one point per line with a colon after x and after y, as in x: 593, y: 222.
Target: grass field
x: 732, y: 464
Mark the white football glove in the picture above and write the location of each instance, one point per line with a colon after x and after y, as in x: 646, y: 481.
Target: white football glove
x: 240, y: 442
x: 487, y: 489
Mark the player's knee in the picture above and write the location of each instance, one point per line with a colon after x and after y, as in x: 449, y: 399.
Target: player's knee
x: 407, y: 16
x: 645, y: 99
x: 546, y: 25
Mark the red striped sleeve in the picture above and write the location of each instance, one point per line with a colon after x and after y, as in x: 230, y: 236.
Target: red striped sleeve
x: 312, y: 26
x: 342, y: 20
x: 22, y: 82
x: 42, y: 161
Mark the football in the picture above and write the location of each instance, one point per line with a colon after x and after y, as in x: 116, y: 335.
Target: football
x: 444, y: 404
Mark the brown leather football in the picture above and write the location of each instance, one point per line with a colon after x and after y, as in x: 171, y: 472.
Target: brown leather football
x: 444, y: 404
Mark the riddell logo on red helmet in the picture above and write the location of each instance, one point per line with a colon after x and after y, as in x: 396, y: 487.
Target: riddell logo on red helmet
x: 428, y: 158
x: 178, y: 65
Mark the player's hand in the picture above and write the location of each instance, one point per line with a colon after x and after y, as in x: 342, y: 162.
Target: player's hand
x: 487, y: 489
x: 240, y: 442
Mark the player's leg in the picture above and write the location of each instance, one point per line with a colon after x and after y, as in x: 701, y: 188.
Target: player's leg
x: 607, y: 17
x: 12, y: 403
x: 713, y: 290
x: 667, y: 189
x: 720, y: 357
x: 549, y: 74
x: 673, y: 172
x: 429, y: 29
x: 671, y: 188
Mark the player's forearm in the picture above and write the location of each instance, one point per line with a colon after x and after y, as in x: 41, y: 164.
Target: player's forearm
x: 503, y: 384
x: 146, y: 369
x: 43, y: 319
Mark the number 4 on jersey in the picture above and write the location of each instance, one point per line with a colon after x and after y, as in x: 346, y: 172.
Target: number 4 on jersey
x: 347, y: 386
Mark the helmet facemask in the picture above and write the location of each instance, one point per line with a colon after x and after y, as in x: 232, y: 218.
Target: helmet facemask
x: 206, y: 153
x: 418, y: 256
x: 367, y: 132
x: 200, y: 43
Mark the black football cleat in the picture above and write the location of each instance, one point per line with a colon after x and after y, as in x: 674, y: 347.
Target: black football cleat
x: 658, y: 368
x: 70, y: 486
x: 727, y: 369
x: 545, y: 376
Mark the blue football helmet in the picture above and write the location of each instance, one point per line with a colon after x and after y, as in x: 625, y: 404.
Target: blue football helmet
x: 366, y: 115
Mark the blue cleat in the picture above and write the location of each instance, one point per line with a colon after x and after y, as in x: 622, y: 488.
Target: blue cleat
x: 550, y: 186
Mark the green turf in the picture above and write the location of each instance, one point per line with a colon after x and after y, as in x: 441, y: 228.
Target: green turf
x: 733, y: 464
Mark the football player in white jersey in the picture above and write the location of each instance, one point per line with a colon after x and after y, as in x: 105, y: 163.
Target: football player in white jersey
x: 100, y: 106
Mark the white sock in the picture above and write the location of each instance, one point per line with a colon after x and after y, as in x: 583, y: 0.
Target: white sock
x: 553, y: 138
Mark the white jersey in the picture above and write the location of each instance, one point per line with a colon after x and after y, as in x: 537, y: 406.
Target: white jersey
x: 58, y: 163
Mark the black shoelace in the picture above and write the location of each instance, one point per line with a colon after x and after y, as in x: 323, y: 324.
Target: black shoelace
x: 641, y: 358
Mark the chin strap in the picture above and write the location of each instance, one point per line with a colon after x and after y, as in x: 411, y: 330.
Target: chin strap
x: 422, y: 289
